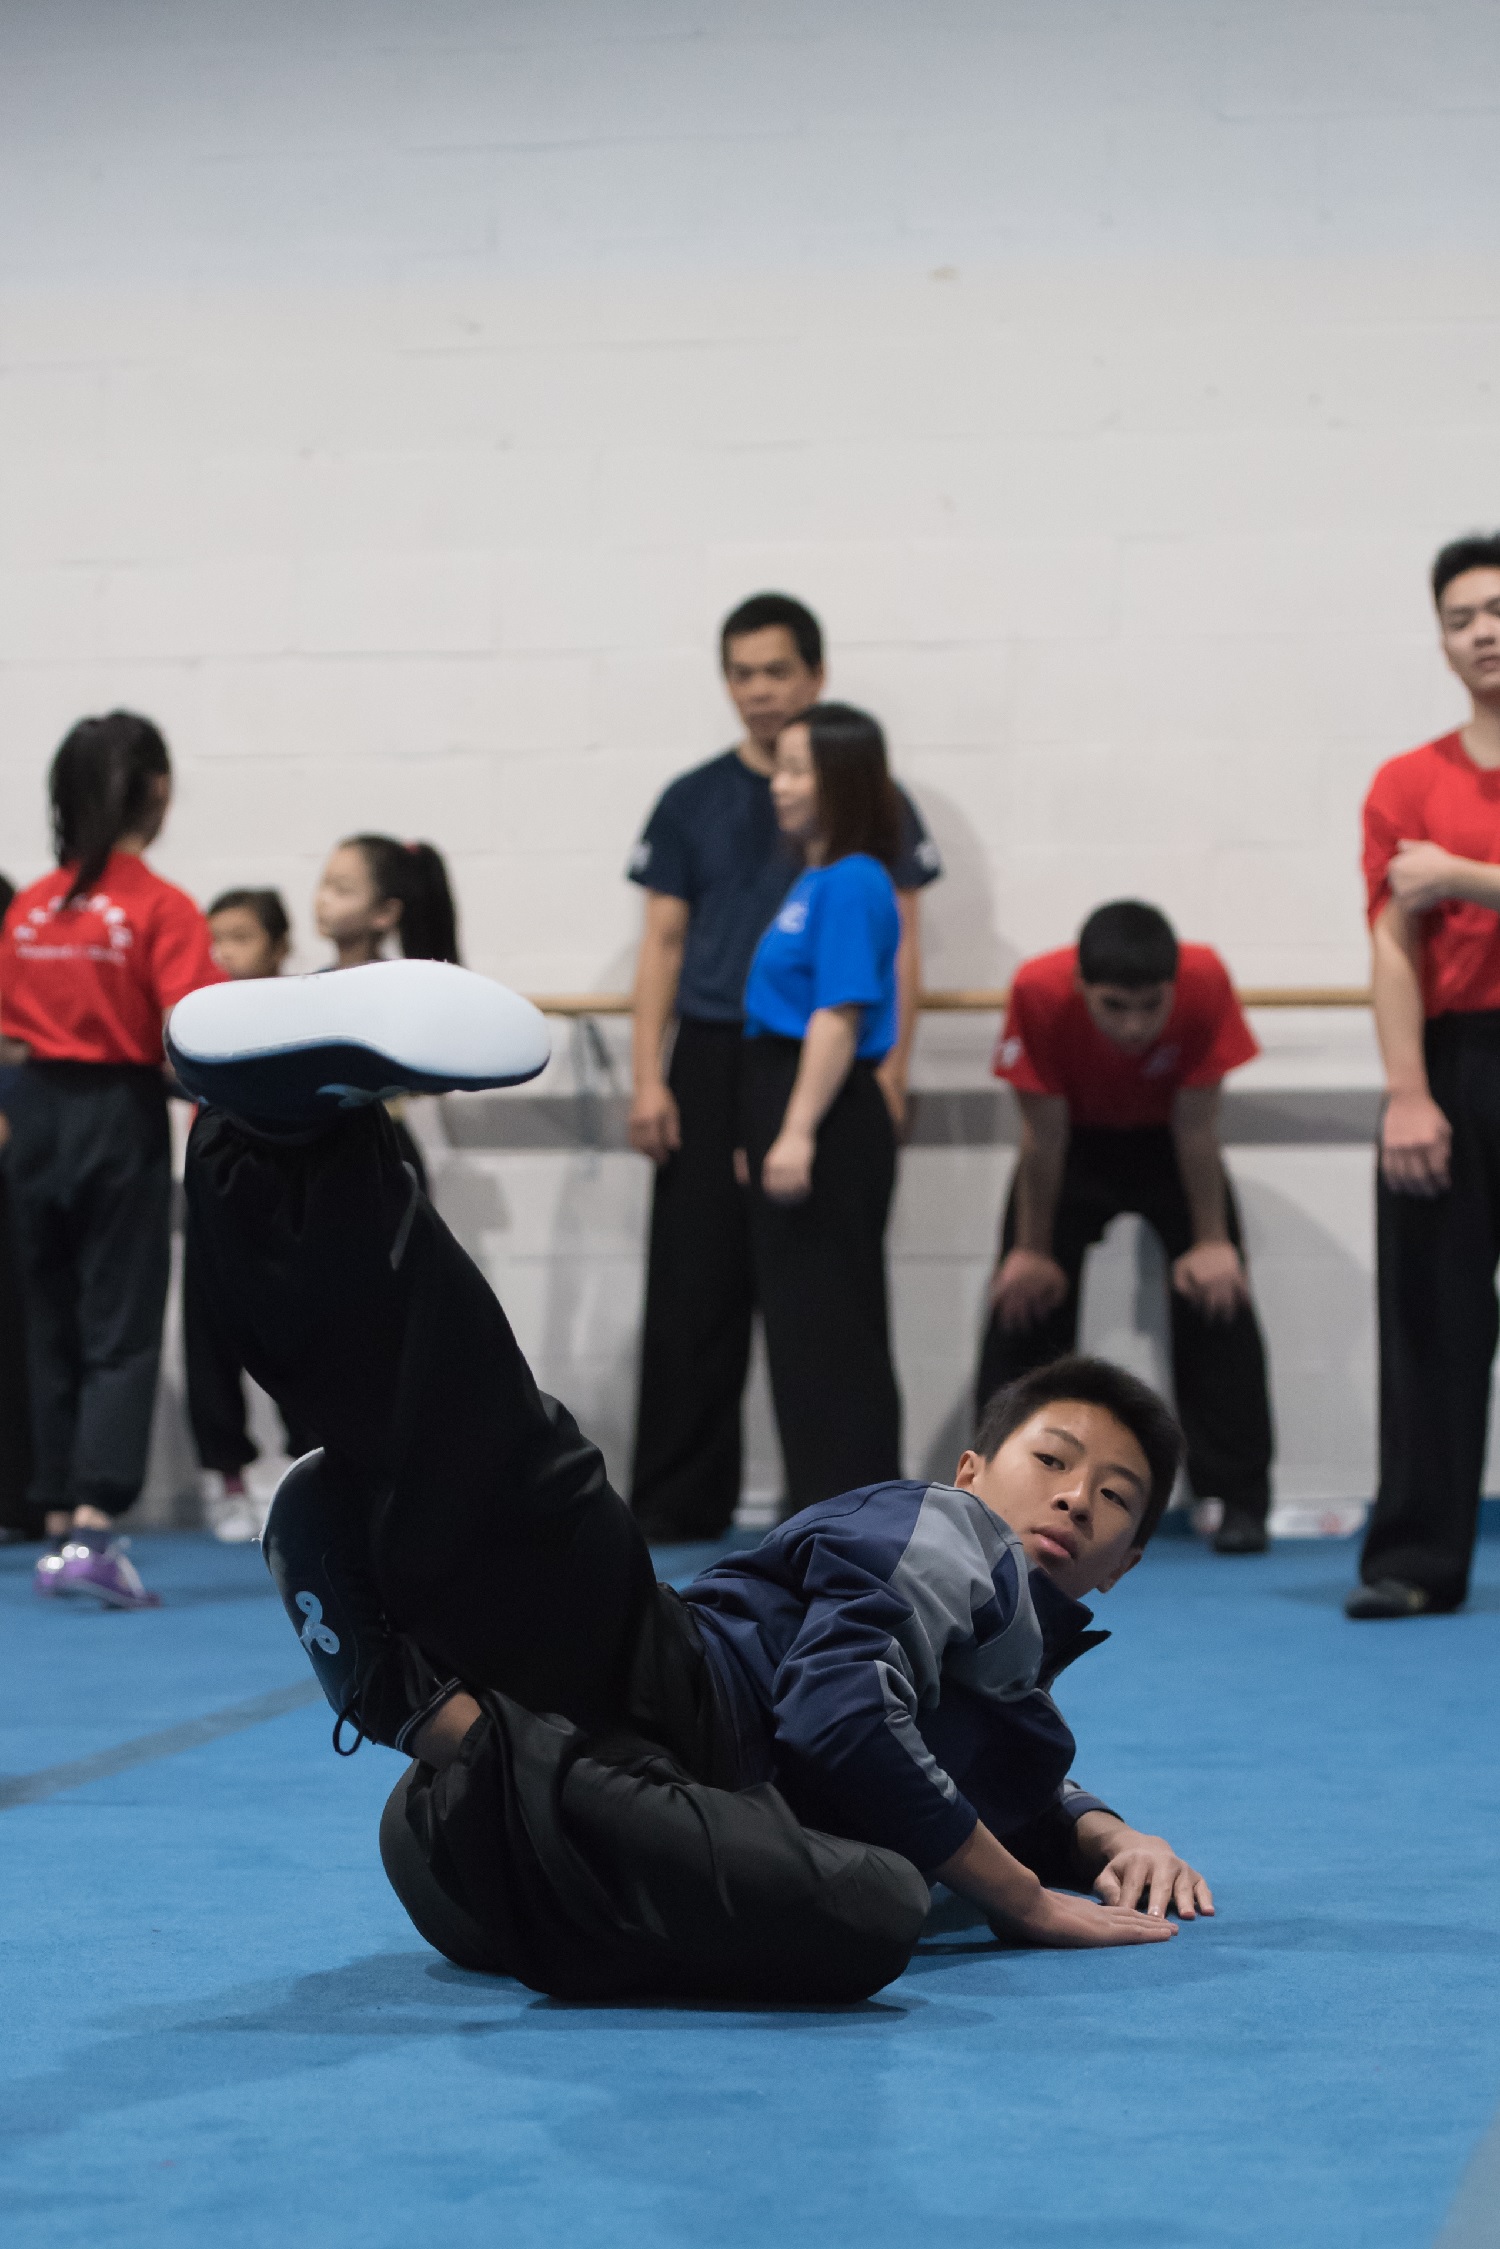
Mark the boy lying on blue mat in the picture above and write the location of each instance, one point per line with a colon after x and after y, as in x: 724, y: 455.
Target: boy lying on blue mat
x: 739, y: 1792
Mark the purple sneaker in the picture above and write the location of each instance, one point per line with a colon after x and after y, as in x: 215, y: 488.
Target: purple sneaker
x: 108, y: 1576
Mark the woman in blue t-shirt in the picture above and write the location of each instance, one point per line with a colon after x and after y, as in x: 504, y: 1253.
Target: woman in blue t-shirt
x: 820, y: 1149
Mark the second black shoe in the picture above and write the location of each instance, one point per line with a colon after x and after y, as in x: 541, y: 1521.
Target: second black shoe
x: 1386, y: 1600
x: 1241, y: 1533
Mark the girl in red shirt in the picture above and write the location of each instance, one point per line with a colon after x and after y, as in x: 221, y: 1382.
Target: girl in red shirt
x: 91, y: 959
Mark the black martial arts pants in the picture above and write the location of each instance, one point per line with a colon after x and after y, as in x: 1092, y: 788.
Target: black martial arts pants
x: 820, y: 1274
x: 91, y: 1187
x: 215, y: 1379
x: 15, y: 1413
x: 1218, y: 1366
x: 1438, y: 1324
x: 700, y: 1302
x: 588, y: 1839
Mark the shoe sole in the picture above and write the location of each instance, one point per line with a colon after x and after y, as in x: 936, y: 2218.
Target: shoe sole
x: 355, y: 1034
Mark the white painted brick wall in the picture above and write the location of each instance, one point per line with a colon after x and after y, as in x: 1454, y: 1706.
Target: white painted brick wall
x: 420, y: 383
x: 395, y: 393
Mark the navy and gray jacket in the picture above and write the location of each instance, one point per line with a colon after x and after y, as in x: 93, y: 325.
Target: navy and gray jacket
x: 884, y: 1657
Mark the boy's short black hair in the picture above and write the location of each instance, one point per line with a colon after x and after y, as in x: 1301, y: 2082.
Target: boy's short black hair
x: 266, y: 905
x: 1094, y: 1382
x: 1129, y: 944
x: 765, y: 609
x: 1477, y: 550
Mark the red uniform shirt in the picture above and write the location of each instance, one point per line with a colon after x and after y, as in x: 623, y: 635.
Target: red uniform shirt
x: 1437, y: 794
x: 91, y: 983
x: 1050, y: 1044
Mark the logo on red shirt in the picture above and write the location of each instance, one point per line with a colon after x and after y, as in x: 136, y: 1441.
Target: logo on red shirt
x: 119, y: 936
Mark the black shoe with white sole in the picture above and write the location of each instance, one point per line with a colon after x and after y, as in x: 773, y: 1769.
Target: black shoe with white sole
x: 293, y: 1050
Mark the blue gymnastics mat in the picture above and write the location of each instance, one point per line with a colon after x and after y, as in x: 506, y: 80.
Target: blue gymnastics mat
x: 221, y: 2032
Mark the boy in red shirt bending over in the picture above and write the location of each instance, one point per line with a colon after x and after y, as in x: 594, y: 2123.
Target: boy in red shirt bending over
x: 1432, y: 871
x: 1116, y: 1048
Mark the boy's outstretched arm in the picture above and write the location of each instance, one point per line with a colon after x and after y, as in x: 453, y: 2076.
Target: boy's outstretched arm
x: 1135, y: 1870
x: 1016, y: 1904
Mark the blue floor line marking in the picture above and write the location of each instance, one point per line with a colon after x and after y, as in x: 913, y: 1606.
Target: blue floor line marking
x: 145, y: 1749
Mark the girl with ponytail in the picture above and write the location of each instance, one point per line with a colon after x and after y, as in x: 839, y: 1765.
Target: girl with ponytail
x: 373, y: 889
x: 91, y: 959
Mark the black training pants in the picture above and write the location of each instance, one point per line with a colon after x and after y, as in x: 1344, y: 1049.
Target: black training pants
x: 1438, y: 1323
x: 700, y: 1302
x: 215, y: 1378
x: 1218, y: 1366
x: 584, y: 1839
x: 820, y: 1273
x: 15, y: 1413
x: 91, y: 1186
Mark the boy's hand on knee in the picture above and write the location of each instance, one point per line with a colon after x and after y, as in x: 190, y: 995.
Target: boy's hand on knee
x: 1026, y: 1286
x: 1416, y: 1145
x: 1211, y: 1275
x: 1144, y: 1872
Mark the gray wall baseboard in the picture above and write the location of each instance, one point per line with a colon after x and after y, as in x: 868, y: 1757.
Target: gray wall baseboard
x: 967, y: 1117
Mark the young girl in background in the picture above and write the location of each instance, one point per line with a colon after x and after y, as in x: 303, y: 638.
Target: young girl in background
x: 251, y: 936
x: 374, y: 888
x: 251, y: 932
x: 91, y: 958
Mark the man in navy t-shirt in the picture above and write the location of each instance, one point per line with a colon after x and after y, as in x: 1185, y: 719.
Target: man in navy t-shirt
x: 715, y: 870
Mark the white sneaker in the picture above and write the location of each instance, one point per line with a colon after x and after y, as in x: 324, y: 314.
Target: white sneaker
x: 290, y: 1049
x: 231, y: 1513
x: 236, y: 1520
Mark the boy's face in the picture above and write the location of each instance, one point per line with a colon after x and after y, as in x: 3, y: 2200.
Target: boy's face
x: 768, y: 682
x: 1469, y: 618
x: 240, y: 945
x: 1072, y: 1483
x: 1131, y: 1017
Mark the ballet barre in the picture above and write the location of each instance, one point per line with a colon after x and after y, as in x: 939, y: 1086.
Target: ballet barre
x: 982, y: 1001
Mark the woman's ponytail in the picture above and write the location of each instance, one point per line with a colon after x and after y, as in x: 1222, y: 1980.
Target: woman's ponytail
x: 415, y: 874
x: 100, y: 787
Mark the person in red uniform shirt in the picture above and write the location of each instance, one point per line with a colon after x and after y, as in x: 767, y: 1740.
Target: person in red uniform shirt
x: 1116, y: 1049
x: 91, y: 958
x: 1432, y: 876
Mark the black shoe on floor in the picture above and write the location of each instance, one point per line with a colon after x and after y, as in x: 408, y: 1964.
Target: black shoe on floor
x: 1387, y: 1597
x: 1241, y: 1533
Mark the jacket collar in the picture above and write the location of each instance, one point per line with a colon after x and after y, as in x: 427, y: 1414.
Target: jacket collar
x: 1065, y: 1627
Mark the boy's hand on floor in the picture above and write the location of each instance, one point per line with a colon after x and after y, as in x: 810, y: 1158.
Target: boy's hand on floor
x: 1072, y: 1923
x: 1016, y: 1906
x: 1143, y: 1871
